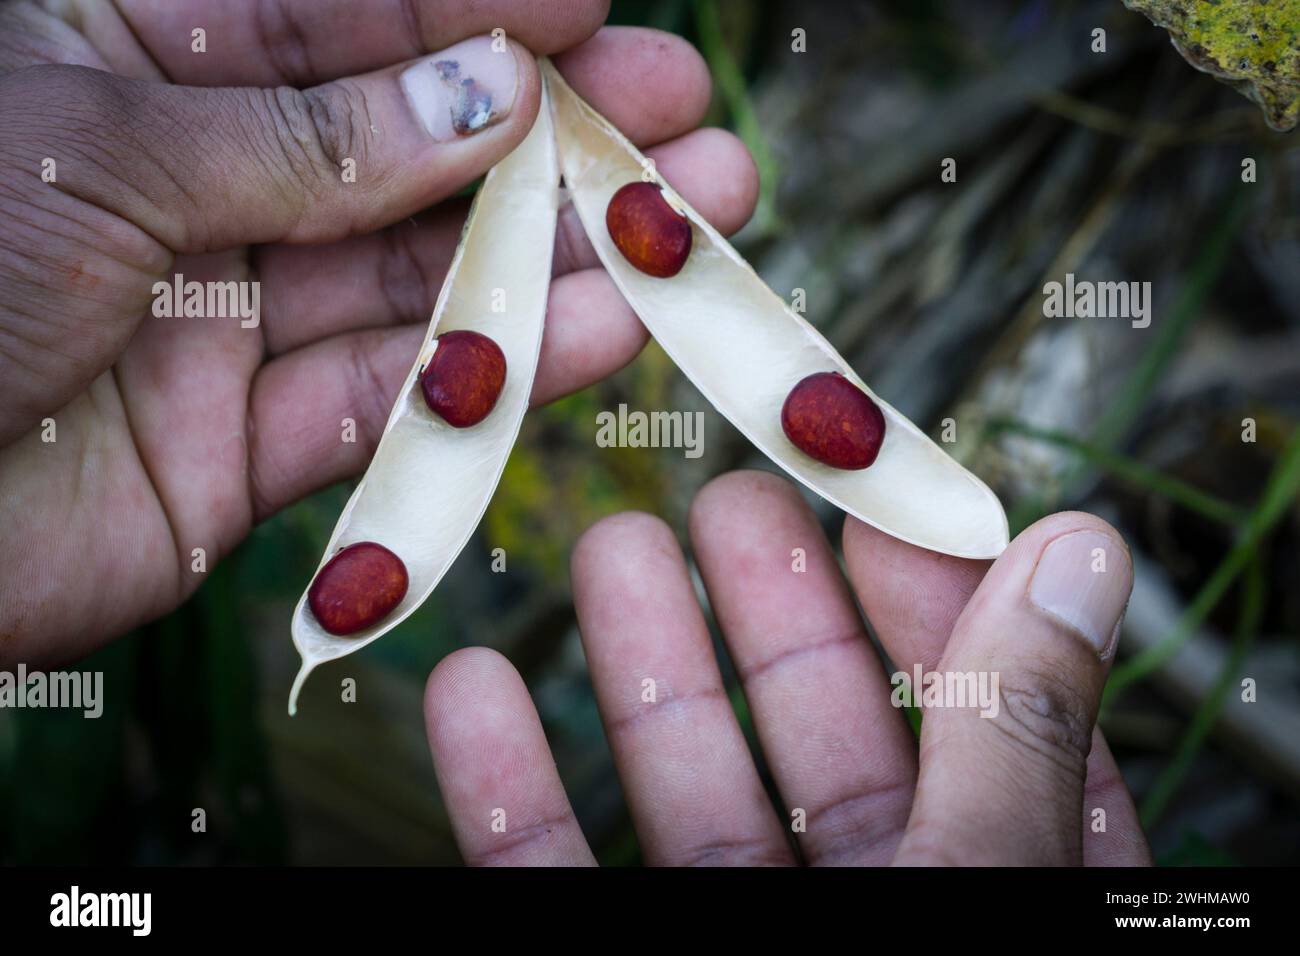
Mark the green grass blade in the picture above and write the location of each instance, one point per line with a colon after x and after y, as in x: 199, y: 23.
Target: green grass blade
x: 1207, y: 714
x: 1130, y: 470
x: 1283, y: 485
x: 731, y: 83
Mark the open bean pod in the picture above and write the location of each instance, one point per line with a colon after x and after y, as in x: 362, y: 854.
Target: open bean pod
x: 433, y: 474
x: 746, y: 350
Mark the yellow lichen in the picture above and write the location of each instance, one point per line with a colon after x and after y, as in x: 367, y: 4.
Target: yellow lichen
x: 1254, y: 45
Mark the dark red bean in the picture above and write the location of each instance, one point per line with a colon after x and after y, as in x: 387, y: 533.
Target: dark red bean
x: 652, y: 235
x: 830, y: 419
x: 463, y: 380
x: 358, y: 588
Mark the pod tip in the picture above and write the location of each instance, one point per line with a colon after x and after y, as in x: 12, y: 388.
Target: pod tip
x: 297, y: 686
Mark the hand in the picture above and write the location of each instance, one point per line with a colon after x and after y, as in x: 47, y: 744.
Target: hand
x: 1021, y: 787
x: 180, y: 433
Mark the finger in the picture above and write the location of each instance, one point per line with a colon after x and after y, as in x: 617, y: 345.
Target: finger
x: 1114, y: 836
x: 393, y: 276
x: 385, y: 278
x: 650, y: 84
x: 839, y: 752
x: 253, y: 165
x: 913, y: 598
x: 694, y: 793
x: 297, y: 447
x: 591, y: 332
x: 303, y: 42
x: 495, y: 771
x: 1002, y: 781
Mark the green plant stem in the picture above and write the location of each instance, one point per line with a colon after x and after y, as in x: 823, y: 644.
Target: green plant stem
x: 1283, y: 485
x: 731, y: 83
x: 1207, y: 714
x: 1175, y: 490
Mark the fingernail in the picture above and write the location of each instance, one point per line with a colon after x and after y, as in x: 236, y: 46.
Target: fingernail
x: 1083, y: 579
x: 463, y: 89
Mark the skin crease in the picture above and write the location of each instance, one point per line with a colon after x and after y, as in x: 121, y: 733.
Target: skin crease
x: 464, y: 378
x: 357, y: 588
x: 187, y: 436
x: 652, y: 236
x: 830, y: 419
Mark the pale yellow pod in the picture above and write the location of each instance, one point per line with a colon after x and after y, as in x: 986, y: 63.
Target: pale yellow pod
x: 428, y: 484
x: 744, y: 349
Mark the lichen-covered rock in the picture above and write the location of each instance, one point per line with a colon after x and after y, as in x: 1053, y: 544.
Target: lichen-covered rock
x: 1252, y: 45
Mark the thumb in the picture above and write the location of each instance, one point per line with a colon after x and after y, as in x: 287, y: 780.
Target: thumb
x: 1002, y: 782
x: 205, y: 169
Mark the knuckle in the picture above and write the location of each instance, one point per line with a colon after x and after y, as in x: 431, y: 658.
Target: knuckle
x: 1044, y: 714
x: 871, y: 815
x: 318, y: 129
x: 297, y: 138
x: 403, y: 280
x: 283, y: 40
x: 367, y: 391
x: 262, y: 501
x: 746, y: 850
x: 514, y: 849
x: 339, y: 118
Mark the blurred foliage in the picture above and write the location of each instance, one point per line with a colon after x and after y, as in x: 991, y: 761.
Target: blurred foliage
x: 1194, y: 850
x: 552, y: 489
x: 1126, y: 164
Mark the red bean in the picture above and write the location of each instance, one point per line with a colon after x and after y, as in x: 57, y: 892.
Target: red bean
x: 652, y: 235
x: 830, y: 419
x: 357, y: 588
x: 463, y: 380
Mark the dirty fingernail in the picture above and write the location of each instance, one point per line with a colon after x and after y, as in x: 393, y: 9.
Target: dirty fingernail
x: 463, y: 89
